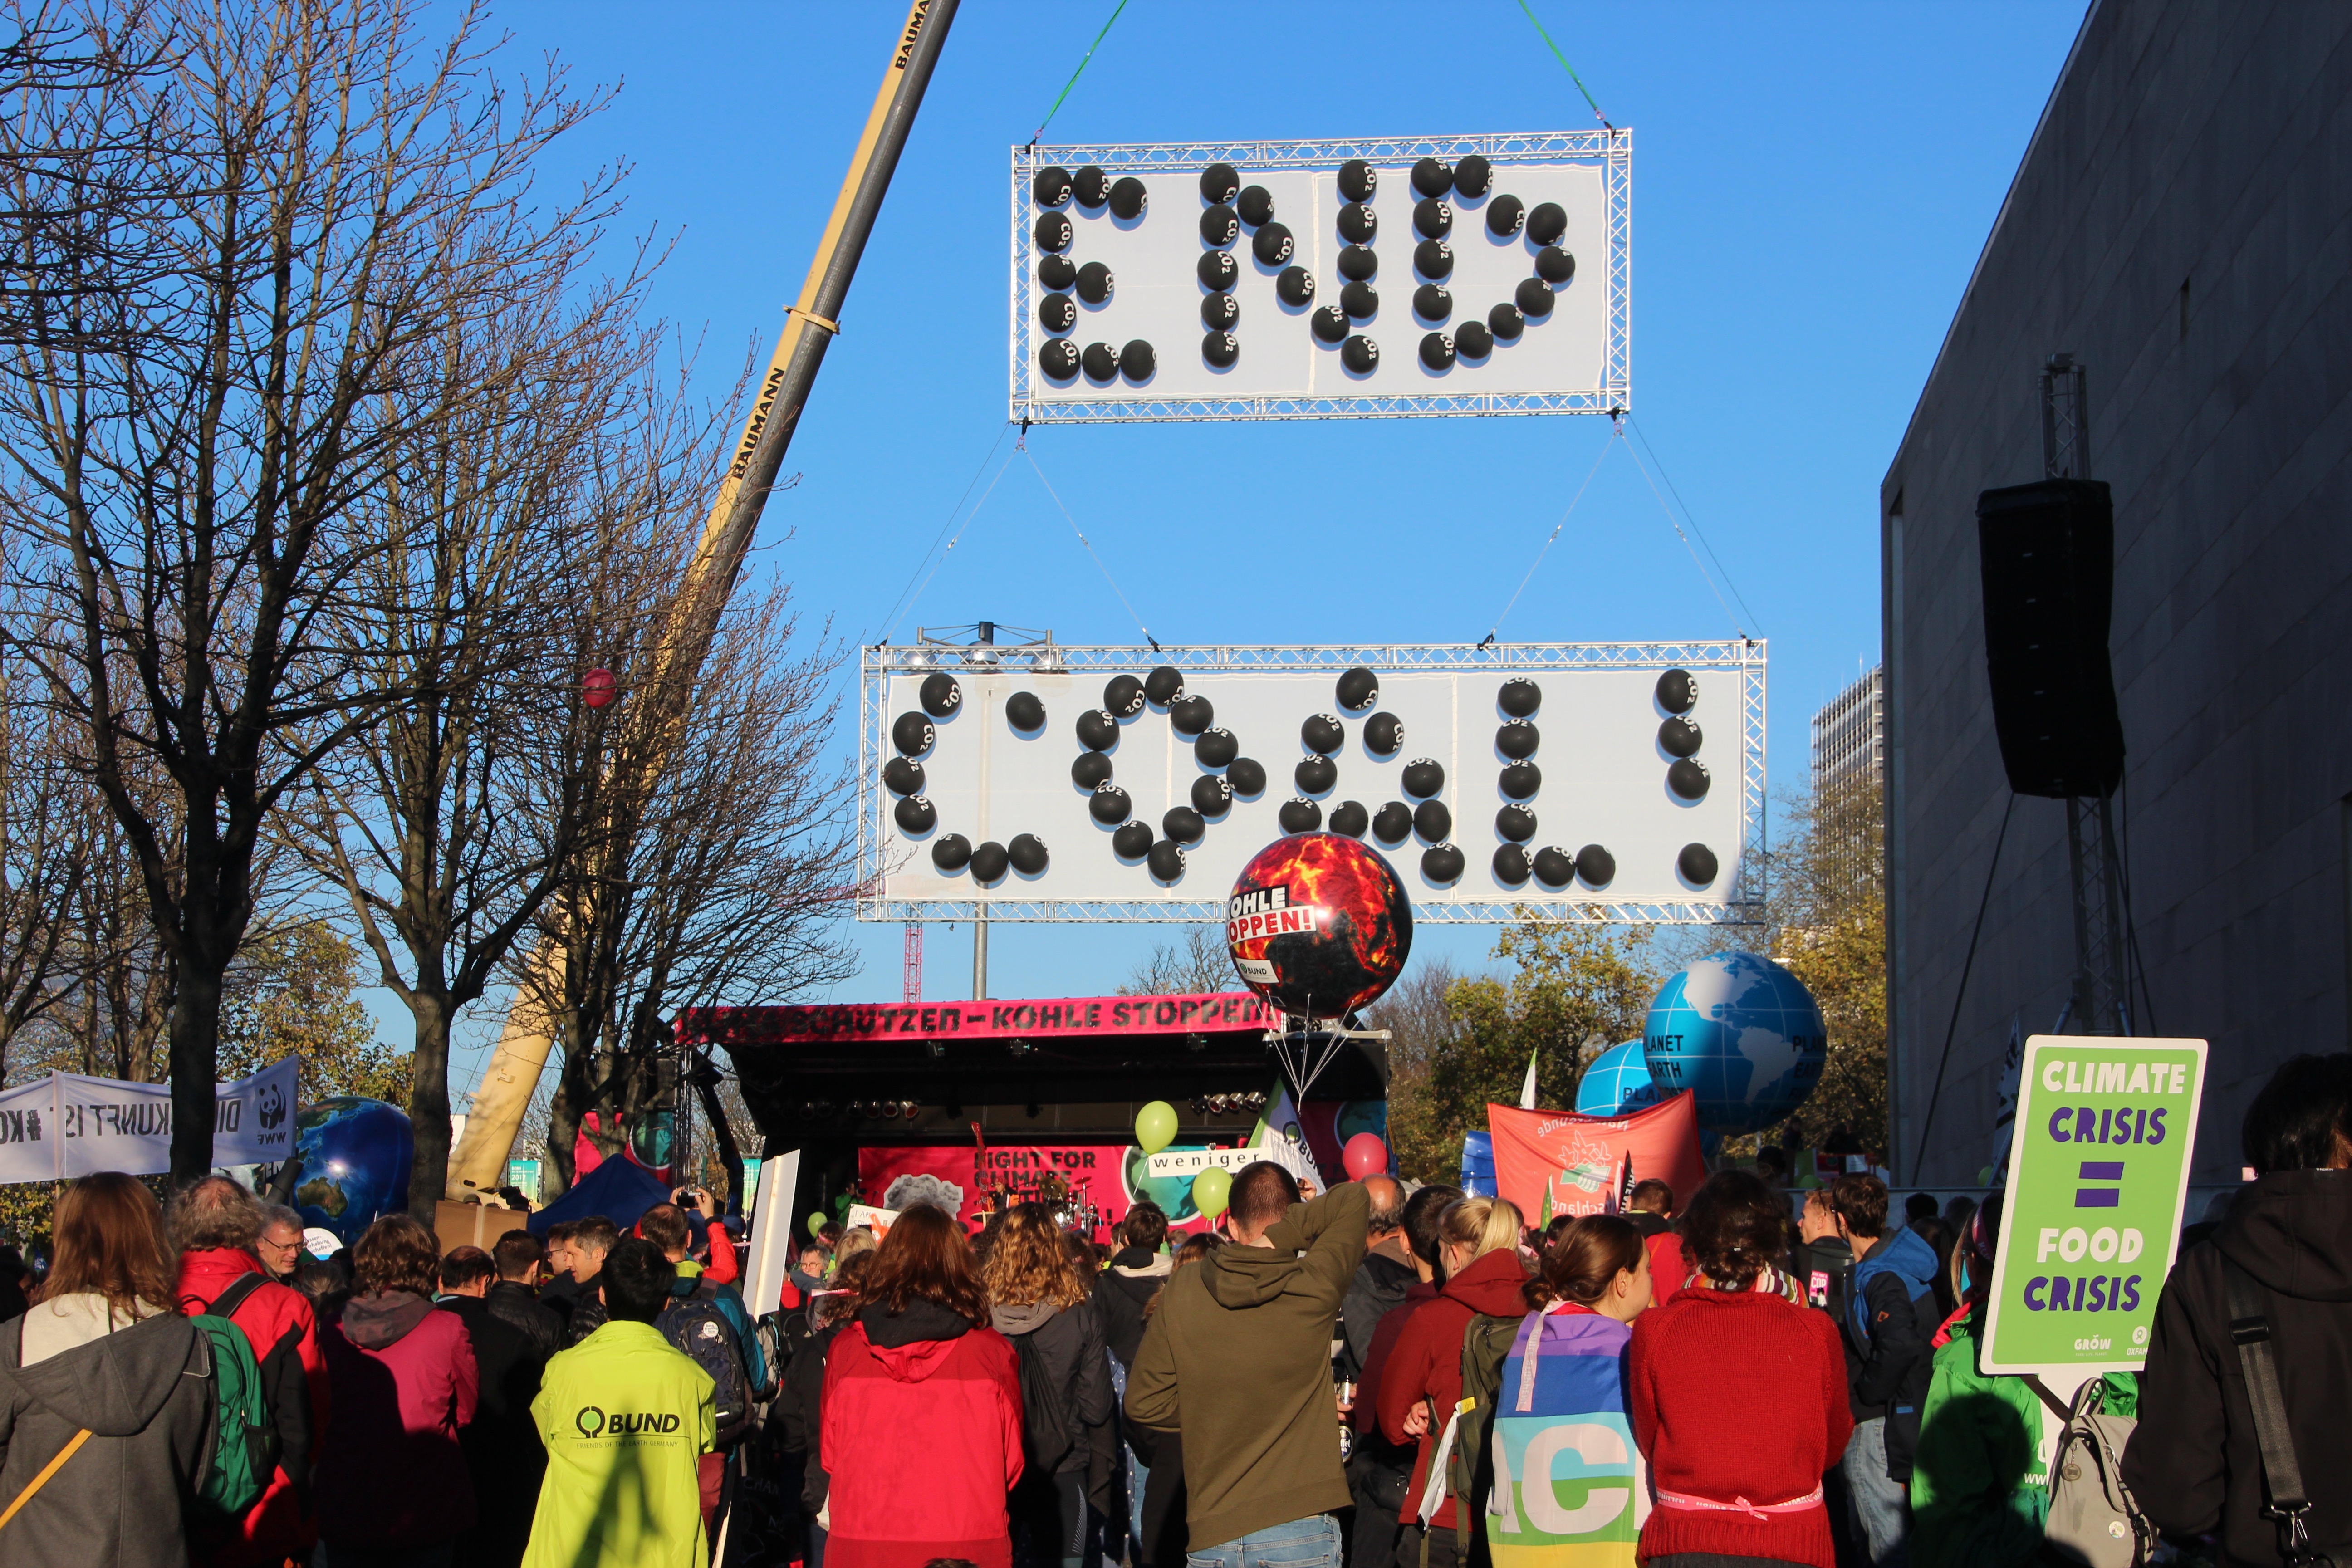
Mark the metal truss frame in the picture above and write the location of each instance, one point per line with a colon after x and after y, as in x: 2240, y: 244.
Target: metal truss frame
x: 1612, y: 150
x: 1743, y: 657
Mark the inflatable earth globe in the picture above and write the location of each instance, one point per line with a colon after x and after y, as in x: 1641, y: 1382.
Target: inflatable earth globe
x: 1318, y: 924
x: 354, y: 1155
x: 1617, y: 1082
x: 1743, y: 1033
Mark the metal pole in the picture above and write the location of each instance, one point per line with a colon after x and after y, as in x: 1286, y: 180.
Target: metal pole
x: 979, y: 955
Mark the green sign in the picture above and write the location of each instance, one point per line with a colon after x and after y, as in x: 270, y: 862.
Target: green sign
x: 2098, y: 1174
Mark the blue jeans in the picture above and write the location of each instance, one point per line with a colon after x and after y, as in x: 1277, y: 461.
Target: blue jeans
x: 1310, y: 1543
x: 1882, y: 1507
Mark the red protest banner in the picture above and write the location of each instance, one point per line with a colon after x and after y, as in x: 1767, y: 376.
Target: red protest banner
x: 1579, y: 1163
x: 1037, y: 1020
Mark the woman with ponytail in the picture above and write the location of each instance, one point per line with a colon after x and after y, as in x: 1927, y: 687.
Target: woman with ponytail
x: 1563, y: 1387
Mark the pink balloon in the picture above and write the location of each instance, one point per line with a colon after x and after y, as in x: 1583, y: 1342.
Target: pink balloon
x: 1365, y: 1155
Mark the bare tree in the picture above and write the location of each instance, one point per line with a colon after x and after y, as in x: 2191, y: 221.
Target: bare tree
x: 1196, y: 964
x: 325, y: 202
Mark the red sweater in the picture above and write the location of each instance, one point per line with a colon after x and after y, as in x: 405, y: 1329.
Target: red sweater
x: 1738, y: 1395
x: 1427, y: 1360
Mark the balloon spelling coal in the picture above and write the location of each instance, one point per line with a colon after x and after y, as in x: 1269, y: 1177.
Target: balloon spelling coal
x: 1318, y: 924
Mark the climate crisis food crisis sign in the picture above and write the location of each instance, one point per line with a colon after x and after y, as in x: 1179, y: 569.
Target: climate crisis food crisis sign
x: 2098, y: 1172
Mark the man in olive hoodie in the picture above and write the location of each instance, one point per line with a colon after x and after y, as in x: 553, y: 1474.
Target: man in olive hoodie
x: 1238, y: 1356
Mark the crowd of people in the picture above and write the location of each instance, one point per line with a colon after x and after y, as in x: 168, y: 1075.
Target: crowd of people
x: 1379, y: 1376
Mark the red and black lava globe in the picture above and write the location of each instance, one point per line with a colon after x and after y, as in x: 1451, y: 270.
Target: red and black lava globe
x: 1318, y: 924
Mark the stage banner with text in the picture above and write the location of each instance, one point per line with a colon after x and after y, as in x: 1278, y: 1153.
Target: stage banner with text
x: 1554, y: 1162
x: 67, y: 1125
x: 1066, y: 1176
x: 2098, y: 1177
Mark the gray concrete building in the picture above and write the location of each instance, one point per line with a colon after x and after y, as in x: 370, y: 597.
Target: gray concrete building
x: 1850, y: 734
x: 2182, y: 223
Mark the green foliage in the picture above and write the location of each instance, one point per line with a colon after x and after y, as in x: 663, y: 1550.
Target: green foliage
x: 1577, y: 988
x: 293, y: 993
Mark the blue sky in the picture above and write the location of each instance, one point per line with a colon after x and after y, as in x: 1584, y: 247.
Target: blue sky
x: 1810, y: 188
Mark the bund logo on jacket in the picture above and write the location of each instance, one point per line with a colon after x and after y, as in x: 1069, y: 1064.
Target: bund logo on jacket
x: 592, y: 1422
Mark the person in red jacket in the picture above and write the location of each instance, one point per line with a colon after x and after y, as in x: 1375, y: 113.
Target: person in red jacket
x: 920, y: 1419
x: 393, y: 1490
x: 1739, y: 1393
x: 215, y: 1224
x: 1422, y: 1381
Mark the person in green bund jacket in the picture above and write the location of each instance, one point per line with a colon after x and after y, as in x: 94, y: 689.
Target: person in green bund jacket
x: 626, y: 1419
x: 1980, y: 1479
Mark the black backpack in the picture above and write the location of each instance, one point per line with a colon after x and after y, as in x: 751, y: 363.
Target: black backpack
x: 698, y: 1327
x: 1046, y: 1432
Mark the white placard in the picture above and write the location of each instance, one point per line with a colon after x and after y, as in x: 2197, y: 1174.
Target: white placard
x: 1193, y: 1162
x: 876, y: 1220
x: 772, y: 1236
x: 68, y: 1125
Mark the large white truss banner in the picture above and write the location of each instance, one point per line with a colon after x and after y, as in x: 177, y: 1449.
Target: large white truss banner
x: 67, y: 1125
x: 1432, y: 275
x: 1610, y: 781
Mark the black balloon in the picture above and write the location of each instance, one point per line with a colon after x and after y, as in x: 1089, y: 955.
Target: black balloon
x: 1057, y: 312
x: 1516, y: 823
x: 1437, y: 351
x: 1359, y: 224
x: 1360, y: 353
x: 1089, y: 769
x: 1091, y: 186
x: 1471, y: 176
x: 1094, y: 282
x: 1510, y: 865
x: 1677, y: 691
x: 1314, y: 775
x: 1688, y: 779
x: 1247, y: 775
x: 1219, y: 182
x: 1359, y: 299
x: 1123, y: 697
x: 1128, y: 198
x: 1697, y: 865
x: 1393, y: 823
x: 1163, y: 685
x: 1358, y: 689
x: 952, y: 853
x: 1359, y: 264
x: 1024, y: 713
x: 1533, y: 297
x: 1132, y: 842
x: 1596, y: 865
x: 1383, y: 735
x: 1221, y: 225
x: 1059, y: 359
x: 1272, y: 245
x: 1516, y: 738
x: 1166, y: 860
x: 1183, y: 825
x: 1051, y: 185
x: 1052, y: 231
x: 1505, y: 322
x: 1256, y: 205
x: 1100, y: 361
x: 1504, y: 217
x: 1474, y: 339
x: 1215, y: 748
x: 1027, y: 853
x: 1433, y: 821
x: 1434, y: 258
x: 1520, y: 781
x: 1554, y: 265
x: 1424, y: 777
x: 989, y: 861
x: 1137, y: 362
x: 1219, y: 312
x: 1322, y: 733
x: 1519, y: 697
x: 1432, y: 303
x: 1211, y: 796
x: 1547, y: 223
x: 1220, y: 349
x: 1217, y: 270
x: 1349, y: 819
x: 1293, y: 286
x: 915, y: 815
x: 903, y: 775
x: 1110, y: 805
x: 1554, y: 867
x: 1432, y: 178
x: 1056, y: 271
x: 1358, y: 180
x: 913, y: 734
x: 1189, y: 716
x: 1298, y: 816
x: 1097, y: 731
x: 1679, y: 738
x: 1442, y: 863
x: 1433, y: 219
x: 1330, y: 324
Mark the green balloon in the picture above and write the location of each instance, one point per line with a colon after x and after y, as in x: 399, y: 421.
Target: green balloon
x: 1155, y: 1127
x: 1210, y: 1190
x: 816, y: 1221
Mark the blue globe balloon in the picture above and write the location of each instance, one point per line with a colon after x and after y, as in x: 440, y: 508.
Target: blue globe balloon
x: 1617, y: 1082
x: 1744, y: 1034
x: 355, y: 1155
